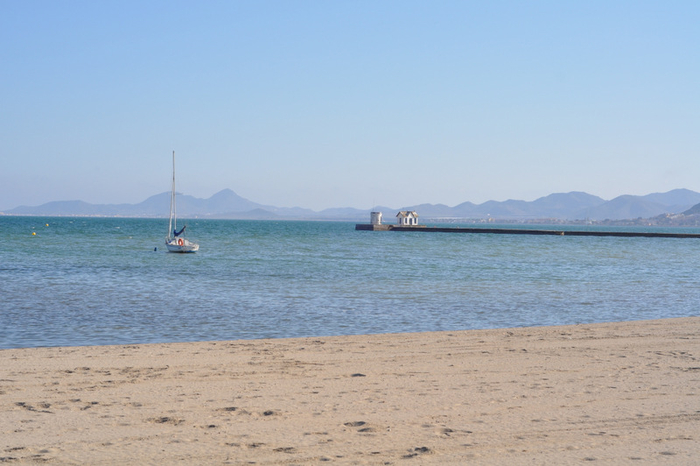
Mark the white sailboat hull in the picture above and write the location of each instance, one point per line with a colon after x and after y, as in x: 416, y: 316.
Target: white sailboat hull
x: 181, y: 245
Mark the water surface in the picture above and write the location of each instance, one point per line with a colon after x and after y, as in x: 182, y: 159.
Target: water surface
x: 95, y: 281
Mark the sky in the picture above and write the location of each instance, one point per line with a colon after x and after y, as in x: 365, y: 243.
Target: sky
x: 353, y: 103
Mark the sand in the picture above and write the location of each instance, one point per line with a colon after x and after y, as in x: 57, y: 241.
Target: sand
x: 617, y: 393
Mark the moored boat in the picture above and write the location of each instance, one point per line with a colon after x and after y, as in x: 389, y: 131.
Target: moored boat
x: 176, y: 241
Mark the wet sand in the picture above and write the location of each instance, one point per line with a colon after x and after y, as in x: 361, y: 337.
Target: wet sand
x: 617, y: 393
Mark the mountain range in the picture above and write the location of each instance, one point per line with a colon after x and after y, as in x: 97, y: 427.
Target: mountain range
x: 227, y: 204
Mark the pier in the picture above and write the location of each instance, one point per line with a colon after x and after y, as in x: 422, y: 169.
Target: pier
x: 522, y: 231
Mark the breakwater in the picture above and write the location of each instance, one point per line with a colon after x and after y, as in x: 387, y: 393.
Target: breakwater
x: 524, y: 231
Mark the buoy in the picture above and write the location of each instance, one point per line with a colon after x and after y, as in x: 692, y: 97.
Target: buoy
x: 34, y: 233
x: 47, y: 224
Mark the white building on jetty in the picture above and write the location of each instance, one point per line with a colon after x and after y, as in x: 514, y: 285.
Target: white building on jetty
x: 407, y: 218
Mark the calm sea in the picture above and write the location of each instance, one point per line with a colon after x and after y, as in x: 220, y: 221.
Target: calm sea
x: 90, y: 281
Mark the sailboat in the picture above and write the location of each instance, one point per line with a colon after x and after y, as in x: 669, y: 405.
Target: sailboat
x: 176, y: 241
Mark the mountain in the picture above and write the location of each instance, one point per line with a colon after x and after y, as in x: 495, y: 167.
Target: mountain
x: 227, y: 204
x: 561, y: 205
x: 675, y: 197
x: 695, y: 210
x: 651, y: 205
x: 73, y: 208
x: 625, y: 207
x: 227, y: 200
x: 223, y: 202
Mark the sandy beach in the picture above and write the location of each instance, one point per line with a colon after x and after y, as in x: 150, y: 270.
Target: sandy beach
x: 614, y: 393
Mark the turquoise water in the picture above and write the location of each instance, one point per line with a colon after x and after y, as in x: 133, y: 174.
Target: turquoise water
x: 96, y: 281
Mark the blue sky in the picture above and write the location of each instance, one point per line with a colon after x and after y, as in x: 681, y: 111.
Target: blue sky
x: 348, y: 104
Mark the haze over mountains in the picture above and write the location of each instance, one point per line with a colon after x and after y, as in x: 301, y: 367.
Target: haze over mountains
x: 227, y: 204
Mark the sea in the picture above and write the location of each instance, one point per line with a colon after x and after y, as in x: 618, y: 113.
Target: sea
x: 109, y: 281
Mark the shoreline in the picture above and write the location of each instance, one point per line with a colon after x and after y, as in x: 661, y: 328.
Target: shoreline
x: 324, y: 337
x: 610, y: 392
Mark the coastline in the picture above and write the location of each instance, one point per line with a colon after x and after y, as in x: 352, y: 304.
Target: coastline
x: 612, y: 392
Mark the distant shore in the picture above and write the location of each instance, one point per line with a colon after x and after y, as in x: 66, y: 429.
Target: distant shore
x: 613, y: 392
x: 675, y: 208
x: 661, y: 221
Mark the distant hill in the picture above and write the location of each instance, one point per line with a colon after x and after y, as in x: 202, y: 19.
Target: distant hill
x: 695, y: 210
x: 227, y: 204
x: 625, y: 207
x: 651, y: 205
x: 225, y: 201
x: 675, y: 197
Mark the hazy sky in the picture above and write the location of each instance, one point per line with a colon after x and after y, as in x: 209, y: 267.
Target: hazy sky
x: 347, y: 103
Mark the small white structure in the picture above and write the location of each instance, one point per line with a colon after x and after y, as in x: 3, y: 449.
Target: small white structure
x: 376, y: 218
x: 407, y: 218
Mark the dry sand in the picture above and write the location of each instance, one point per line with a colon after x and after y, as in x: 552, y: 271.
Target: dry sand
x: 623, y: 393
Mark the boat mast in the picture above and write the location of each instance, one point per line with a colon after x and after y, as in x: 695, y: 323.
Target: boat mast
x: 173, y: 217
